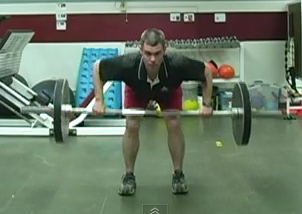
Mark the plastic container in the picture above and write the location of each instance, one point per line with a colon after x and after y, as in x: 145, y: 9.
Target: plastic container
x: 226, y: 100
x: 264, y: 96
x: 190, y: 90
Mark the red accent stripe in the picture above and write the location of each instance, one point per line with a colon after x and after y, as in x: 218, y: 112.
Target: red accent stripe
x: 87, y: 100
x: 113, y: 27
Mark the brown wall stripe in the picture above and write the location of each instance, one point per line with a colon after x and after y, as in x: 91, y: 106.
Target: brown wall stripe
x: 113, y: 27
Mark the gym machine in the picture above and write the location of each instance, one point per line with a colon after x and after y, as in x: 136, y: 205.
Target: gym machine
x: 14, y: 95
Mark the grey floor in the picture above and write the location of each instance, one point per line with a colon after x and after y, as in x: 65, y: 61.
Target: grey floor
x: 82, y: 176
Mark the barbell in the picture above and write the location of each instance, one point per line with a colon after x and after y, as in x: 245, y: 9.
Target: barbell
x: 61, y: 111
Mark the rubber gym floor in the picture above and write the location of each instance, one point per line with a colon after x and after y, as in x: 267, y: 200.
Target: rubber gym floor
x: 83, y: 175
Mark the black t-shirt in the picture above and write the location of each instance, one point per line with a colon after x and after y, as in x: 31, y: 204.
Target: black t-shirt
x: 130, y: 69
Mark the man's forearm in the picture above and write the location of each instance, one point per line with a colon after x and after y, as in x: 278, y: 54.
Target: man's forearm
x: 98, y: 83
x: 207, y: 87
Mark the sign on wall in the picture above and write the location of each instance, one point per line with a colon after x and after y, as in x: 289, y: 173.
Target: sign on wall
x: 61, y: 16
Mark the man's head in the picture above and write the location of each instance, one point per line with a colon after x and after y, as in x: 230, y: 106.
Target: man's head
x: 153, y: 47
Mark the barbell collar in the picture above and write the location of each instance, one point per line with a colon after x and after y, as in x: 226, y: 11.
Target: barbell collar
x: 37, y: 110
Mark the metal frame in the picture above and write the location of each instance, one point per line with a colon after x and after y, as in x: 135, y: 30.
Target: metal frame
x: 89, y: 122
x: 79, y: 131
x: 20, y: 101
x: 24, y: 131
x: 100, y: 131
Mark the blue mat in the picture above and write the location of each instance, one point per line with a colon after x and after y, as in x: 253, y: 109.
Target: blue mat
x: 113, y: 96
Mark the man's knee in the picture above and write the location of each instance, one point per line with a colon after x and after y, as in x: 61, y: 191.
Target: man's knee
x: 173, y: 122
x: 133, y: 123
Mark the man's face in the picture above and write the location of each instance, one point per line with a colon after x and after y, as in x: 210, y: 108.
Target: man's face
x: 153, y: 56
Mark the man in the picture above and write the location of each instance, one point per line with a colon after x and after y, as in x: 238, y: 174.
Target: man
x: 152, y: 74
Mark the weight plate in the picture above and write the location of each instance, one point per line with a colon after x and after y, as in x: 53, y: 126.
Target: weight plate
x: 45, y: 90
x: 61, y: 119
x: 241, y: 122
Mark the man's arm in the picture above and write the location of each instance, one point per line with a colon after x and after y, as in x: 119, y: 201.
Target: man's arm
x: 109, y: 70
x: 98, y: 82
x: 207, y: 87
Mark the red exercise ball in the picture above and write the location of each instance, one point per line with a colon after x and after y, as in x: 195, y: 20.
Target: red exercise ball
x: 226, y: 71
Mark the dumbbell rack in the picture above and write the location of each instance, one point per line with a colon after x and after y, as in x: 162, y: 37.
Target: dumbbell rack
x: 202, y: 43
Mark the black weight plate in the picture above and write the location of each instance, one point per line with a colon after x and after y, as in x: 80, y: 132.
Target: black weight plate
x: 21, y: 79
x: 241, y: 122
x: 45, y: 89
x: 61, y: 119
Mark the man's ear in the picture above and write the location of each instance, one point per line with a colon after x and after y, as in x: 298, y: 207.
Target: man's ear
x: 165, y: 48
x: 141, y: 49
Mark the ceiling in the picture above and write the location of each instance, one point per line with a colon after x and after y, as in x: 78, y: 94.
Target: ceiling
x: 83, y: 1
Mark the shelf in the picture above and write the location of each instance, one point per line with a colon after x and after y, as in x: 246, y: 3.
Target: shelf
x: 187, y: 49
x: 220, y: 80
x: 200, y: 43
x: 232, y: 80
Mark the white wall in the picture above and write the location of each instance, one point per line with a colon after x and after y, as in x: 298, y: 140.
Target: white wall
x: 146, y: 7
x: 42, y: 61
x: 262, y: 61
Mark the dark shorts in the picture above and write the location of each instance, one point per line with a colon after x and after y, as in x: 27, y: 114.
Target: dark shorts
x: 171, y: 101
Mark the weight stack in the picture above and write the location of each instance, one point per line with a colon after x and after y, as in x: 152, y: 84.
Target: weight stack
x: 85, y: 85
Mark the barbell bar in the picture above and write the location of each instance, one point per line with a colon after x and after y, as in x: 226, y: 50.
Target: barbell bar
x: 240, y: 112
x: 68, y: 109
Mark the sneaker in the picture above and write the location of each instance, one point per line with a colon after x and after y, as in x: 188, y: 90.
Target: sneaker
x: 179, y: 185
x: 128, y: 184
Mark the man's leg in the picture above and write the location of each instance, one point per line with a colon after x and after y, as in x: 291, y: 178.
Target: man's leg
x: 176, y: 140
x: 131, y: 142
